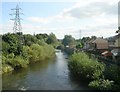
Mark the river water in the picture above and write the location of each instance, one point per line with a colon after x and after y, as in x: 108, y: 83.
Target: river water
x: 48, y: 75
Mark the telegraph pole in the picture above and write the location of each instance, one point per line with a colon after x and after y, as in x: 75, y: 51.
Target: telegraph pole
x: 17, y: 24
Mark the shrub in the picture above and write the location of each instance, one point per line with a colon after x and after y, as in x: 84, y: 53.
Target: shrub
x: 112, y: 72
x: 101, y: 84
x: 6, y: 68
x: 40, y: 53
x: 104, y: 77
x: 25, y: 53
x: 18, y: 61
x: 36, y: 53
x: 14, y: 61
x: 81, y: 65
x: 16, y: 56
x: 41, y: 42
x: 49, y: 51
x: 3, y: 59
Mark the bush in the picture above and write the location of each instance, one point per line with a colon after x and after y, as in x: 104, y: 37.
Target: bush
x: 35, y: 53
x: 40, y: 53
x: 29, y: 54
x: 3, y: 59
x: 101, y: 84
x: 25, y: 53
x: 14, y: 61
x: 6, y: 68
x: 81, y: 65
x: 103, y: 77
x: 17, y: 53
x: 112, y: 72
x: 18, y: 61
x: 49, y: 51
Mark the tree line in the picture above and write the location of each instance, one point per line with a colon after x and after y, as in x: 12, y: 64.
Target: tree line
x: 19, y: 50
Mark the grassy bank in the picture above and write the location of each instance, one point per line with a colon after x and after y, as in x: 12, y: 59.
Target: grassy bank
x: 98, y: 74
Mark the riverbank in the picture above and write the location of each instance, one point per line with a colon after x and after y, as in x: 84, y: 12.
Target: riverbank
x: 99, y: 75
x: 19, y: 50
x: 32, y: 54
x: 52, y: 74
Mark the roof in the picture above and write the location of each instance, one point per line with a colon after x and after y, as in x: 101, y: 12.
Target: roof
x: 114, y: 37
x: 90, y: 41
x: 100, y: 40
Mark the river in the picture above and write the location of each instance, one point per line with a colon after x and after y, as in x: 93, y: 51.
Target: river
x: 48, y: 75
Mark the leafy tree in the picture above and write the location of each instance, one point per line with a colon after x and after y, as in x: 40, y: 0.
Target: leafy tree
x: 79, y: 46
x: 17, y: 55
x: 5, y: 47
x: 68, y: 40
x: 29, y: 39
x: 14, y: 43
x: 41, y: 42
x: 42, y: 36
x: 52, y: 40
x: 85, y: 39
x: 10, y: 38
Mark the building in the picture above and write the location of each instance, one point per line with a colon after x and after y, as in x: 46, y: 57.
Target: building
x: 114, y: 45
x: 100, y: 43
x: 114, y: 42
x: 96, y: 44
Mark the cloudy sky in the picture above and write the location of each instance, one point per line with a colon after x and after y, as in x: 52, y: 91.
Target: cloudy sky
x: 92, y: 17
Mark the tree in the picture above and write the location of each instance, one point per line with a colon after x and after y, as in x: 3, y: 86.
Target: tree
x: 79, y: 46
x: 5, y: 47
x: 29, y: 39
x: 42, y: 36
x: 13, y: 42
x: 52, y: 40
x: 84, y: 39
x: 68, y: 40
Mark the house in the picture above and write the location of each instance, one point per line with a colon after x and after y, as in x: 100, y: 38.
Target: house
x: 88, y: 45
x: 114, y: 44
x: 114, y: 47
x: 100, y: 44
x: 97, y: 44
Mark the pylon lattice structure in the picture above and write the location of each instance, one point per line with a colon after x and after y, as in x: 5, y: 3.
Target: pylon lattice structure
x: 17, y: 24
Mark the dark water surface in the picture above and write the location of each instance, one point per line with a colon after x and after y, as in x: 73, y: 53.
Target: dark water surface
x: 47, y: 75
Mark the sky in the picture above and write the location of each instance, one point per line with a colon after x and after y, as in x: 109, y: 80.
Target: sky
x: 79, y: 19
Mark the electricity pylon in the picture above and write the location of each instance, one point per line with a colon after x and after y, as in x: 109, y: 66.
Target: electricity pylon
x: 17, y: 24
x: 17, y: 28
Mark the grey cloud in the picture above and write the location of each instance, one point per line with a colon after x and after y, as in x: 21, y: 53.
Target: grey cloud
x: 93, y: 9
